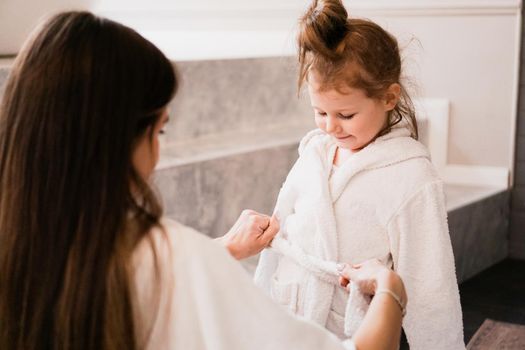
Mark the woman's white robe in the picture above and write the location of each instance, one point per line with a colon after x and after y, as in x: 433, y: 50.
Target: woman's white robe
x: 384, y: 202
x: 206, y: 300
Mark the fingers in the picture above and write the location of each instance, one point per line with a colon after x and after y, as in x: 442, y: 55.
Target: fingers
x: 253, y: 222
x: 270, y: 232
x: 346, y: 271
x: 248, y: 212
x: 261, y: 221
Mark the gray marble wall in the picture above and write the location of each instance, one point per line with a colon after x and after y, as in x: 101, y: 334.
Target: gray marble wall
x: 228, y: 96
x: 210, y: 195
x: 3, y: 77
x: 479, y: 234
x: 230, y: 99
x: 517, y: 218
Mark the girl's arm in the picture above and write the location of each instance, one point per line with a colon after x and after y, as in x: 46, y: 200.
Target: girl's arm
x: 422, y: 255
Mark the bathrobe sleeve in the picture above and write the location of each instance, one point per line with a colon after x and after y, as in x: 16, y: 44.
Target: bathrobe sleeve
x: 422, y: 255
x: 213, y: 304
x: 284, y: 207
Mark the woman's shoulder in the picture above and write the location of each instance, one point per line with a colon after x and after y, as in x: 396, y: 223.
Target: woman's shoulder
x: 170, y: 243
x: 175, y: 231
x: 181, y: 240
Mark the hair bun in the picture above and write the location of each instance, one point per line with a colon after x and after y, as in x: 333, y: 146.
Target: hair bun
x: 323, y: 27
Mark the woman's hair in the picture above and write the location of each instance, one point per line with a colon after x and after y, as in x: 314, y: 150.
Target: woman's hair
x: 81, y: 94
x: 351, y: 52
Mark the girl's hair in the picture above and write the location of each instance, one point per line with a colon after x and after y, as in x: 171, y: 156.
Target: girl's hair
x: 81, y: 94
x: 358, y: 53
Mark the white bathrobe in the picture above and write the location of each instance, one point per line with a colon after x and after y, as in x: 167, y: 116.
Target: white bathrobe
x: 385, y: 202
x: 206, y: 300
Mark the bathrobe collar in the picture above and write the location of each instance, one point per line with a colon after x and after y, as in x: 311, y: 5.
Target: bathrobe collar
x: 395, y: 147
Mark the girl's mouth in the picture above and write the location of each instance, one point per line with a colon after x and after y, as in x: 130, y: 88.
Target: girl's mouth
x: 342, y: 138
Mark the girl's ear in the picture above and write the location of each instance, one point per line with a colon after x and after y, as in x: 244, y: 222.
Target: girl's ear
x: 392, y: 96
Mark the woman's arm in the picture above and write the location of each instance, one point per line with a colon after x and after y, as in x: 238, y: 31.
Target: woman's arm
x: 381, y: 328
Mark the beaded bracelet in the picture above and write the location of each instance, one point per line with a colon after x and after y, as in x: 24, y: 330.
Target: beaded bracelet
x: 396, y: 298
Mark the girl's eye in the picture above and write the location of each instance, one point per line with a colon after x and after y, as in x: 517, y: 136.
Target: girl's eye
x: 347, y: 116
x: 322, y: 114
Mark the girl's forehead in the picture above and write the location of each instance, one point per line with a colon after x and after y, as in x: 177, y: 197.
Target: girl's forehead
x: 344, y: 97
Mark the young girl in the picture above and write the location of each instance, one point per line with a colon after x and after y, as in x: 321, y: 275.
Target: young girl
x: 363, y: 187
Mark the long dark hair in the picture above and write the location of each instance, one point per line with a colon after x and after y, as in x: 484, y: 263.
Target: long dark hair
x: 80, y: 95
x: 352, y: 52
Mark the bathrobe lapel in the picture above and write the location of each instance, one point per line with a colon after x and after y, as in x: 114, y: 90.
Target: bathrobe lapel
x: 395, y: 147
x: 318, y: 298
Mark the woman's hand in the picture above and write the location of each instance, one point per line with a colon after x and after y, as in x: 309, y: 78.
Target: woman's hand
x: 371, y: 276
x: 251, y: 233
x: 381, y: 327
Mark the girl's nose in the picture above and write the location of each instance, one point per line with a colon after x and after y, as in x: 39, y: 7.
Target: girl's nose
x: 331, y: 124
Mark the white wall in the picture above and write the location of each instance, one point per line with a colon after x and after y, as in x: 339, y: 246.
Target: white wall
x: 470, y: 56
x: 19, y: 17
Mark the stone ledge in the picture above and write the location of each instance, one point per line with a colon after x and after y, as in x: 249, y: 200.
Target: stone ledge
x: 230, y: 144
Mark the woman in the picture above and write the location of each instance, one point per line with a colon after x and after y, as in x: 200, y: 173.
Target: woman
x: 86, y: 259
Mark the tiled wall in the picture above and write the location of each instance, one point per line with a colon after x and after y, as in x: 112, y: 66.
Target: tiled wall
x: 517, y: 219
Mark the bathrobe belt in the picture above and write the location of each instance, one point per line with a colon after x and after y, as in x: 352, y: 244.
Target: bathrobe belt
x: 326, y: 271
x: 322, y: 269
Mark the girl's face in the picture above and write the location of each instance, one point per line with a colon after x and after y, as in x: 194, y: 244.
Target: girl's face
x: 146, y: 154
x: 351, y: 118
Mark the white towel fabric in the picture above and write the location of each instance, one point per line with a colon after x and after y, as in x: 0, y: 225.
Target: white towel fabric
x: 357, y: 304
x: 386, y: 200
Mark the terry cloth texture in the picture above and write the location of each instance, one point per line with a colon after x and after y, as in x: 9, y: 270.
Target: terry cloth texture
x: 385, y: 201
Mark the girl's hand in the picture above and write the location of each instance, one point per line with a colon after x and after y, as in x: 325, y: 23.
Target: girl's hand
x: 370, y: 276
x: 251, y: 233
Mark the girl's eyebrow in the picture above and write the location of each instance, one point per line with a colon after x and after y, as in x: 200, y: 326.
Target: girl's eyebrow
x: 346, y: 109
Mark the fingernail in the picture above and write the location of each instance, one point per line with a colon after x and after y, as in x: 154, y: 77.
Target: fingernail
x: 277, y: 215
